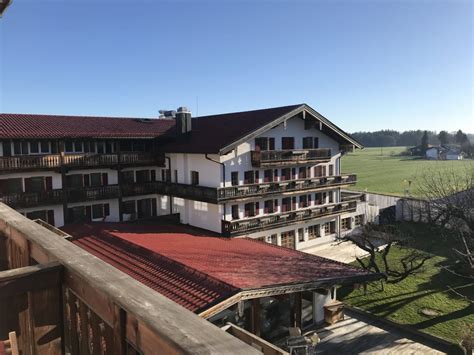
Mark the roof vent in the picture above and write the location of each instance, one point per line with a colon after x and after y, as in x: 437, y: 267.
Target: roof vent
x: 167, y: 113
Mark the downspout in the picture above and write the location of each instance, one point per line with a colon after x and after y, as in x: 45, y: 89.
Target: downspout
x: 223, y: 177
x: 171, y: 197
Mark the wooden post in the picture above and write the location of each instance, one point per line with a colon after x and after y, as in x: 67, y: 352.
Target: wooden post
x: 119, y: 329
x: 298, y: 310
x: 256, y: 316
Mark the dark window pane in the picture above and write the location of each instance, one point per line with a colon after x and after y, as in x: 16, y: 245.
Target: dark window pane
x: 96, y: 179
x: 34, y: 147
x: 68, y: 147
x: 287, y: 143
x: 194, y: 178
x: 34, y: 184
x: 44, y: 147
x: 234, y: 177
x: 127, y: 177
x: 78, y: 147
x: 98, y: 211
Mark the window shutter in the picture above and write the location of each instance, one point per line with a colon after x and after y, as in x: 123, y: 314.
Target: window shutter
x: 48, y: 182
x: 271, y: 143
x: 88, y: 213
x: 293, y: 204
x: 106, y: 209
x: 51, y: 217
x: 105, y: 179
x: 257, y: 176
x: 257, y: 208
x: 153, y: 206
x: 153, y: 175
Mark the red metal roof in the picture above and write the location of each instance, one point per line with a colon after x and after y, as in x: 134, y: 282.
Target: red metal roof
x: 182, y: 262
x: 51, y: 126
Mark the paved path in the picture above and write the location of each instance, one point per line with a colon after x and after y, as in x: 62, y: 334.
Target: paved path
x: 353, y: 336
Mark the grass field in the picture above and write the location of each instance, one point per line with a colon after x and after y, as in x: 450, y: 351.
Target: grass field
x: 382, y: 170
x: 431, y: 289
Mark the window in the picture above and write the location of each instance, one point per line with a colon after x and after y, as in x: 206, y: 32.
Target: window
x: 234, y: 178
x: 100, y: 147
x: 78, y: 147
x: 34, y: 147
x: 346, y: 223
x: 143, y: 176
x: 320, y: 171
x: 358, y: 220
x: 285, y: 174
x: 303, y: 201
x: 331, y: 196
x: 45, y: 215
x: 235, y: 212
x: 271, y: 143
x: 286, y: 204
x: 307, y: 142
x: 303, y: 172
x: 75, y: 180
x: 194, y: 178
x: 128, y: 177
x: 261, y: 143
x: 313, y: 232
x: 79, y: 214
x: 109, y: 147
x: 318, y: 198
x: 287, y: 143
x: 260, y: 239
x: 329, y: 228
x: 146, y: 207
x: 100, y: 210
x: 316, y: 143
x: 273, y: 239
x: 331, y: 170
x: 44, y: 147
x: 20, y: 148
x: 128, y: 207
x: 288, y: 239
x: 268, y: 175
x: 326, y: 228
x: 250, y: 209
x: 300, y: 235
x: 9, y: 186
x: 38, y: 184
x: 249, y: 177
x: 269, y: 206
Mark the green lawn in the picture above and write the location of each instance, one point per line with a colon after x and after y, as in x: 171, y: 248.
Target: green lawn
x: 383, y: 170
x: 403, y: 302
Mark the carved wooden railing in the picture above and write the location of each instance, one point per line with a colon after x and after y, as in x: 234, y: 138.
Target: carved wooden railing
x: 32, y: 199
x: 92, y: 193
x: 289, y: 157
x: 265, y: 188
x: 73, y: 302
x: 264, y: 222
x: 26, y: 162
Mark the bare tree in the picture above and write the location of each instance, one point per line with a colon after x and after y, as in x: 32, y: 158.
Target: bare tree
x: 449, y: 202
x: 378, y: 241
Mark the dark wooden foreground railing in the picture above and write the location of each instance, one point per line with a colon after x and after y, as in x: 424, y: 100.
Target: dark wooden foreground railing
x: 251, y: 225
x: 73, y: 302
x: 288, y: 157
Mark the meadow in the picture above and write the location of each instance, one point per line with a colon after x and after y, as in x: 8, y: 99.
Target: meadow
x: 384, y: 170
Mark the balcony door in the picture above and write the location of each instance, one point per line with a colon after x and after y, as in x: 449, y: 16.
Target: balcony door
x: 146, y: 208
x: 288, y: 239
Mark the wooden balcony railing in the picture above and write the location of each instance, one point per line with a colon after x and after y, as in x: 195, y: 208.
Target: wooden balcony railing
x: 267, y: 188
x: 32, y: 199
x: 265, y: 222
x: 27, y: 162
x: 353, y: 196
x: 60, y: 299
x: 289, y: 157
x: 54, y: 161
x: 92, y: 193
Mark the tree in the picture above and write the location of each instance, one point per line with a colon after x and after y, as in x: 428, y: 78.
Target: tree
x: 424, y: 142
x: 461, y: 137
x: 449, y: 201
x: 443, y: 137
x: 378, y: 241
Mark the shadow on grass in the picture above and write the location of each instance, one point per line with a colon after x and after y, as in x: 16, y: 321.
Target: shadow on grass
x: 466, y: 311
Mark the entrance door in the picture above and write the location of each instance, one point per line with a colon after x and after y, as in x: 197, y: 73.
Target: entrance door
x: 288, y: 239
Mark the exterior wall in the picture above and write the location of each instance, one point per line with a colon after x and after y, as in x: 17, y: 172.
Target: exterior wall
x: 239, y: 159
x: 199, y: 214
x: 114, y: 209
x: 56, y: 177
x: 112, y: 174
x: 432, y: 153
x: 319, y: 301
x: 58, y: 213
x: 210, y: 172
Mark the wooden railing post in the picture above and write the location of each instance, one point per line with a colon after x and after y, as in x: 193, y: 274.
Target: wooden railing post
x: 119, y: 329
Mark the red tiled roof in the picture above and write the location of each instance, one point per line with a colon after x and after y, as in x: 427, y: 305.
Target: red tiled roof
x: 168, y: 257
x: 51, y: 126
x: 211, y: 133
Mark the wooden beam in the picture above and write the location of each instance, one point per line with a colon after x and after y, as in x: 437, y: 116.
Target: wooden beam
x: 119, y: 328
x: 256, y: 316
x: 298, y: 310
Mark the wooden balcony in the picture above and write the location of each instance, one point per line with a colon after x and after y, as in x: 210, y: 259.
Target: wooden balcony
x: 270, y: 158
x: 265, y: 222
x: 278, y: 187
x: 92, y: 193
x: 71, y: 161
x: 27, y: 162
x: 59, y: 299
x: 33, y: 199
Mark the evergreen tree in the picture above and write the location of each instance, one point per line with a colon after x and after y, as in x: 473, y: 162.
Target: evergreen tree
x: 443, y: 137
x: 424, y: 142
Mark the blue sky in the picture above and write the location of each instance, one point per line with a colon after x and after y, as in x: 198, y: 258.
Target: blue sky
x: 365, y: 65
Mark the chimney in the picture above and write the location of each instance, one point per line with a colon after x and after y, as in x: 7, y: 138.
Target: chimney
x: 183, y: 121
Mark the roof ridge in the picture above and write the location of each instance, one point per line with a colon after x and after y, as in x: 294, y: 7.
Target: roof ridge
x: 2, y: 114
